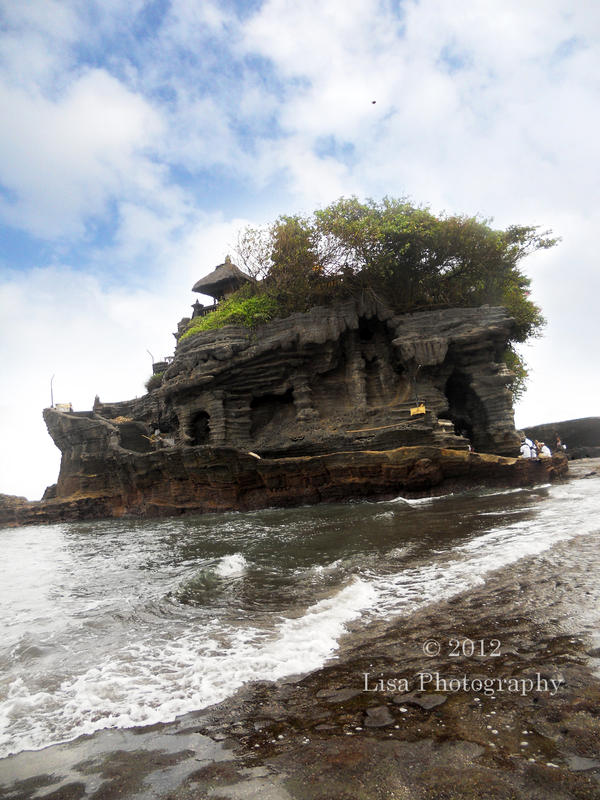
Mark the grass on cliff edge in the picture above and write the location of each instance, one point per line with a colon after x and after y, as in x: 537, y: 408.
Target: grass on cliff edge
x: 249, y: 312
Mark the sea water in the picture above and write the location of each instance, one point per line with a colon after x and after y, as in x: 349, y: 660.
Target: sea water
x: 122, y: 623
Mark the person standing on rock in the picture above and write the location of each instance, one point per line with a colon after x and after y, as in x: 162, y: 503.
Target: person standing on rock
x: 558, y: 445
x: 525, y: 448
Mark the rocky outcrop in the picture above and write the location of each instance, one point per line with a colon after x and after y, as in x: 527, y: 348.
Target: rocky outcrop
x: 11, y: 508
x: 204, y: 479
x: 338, y: 378
x: 582, y: 436
x: 315, y: 407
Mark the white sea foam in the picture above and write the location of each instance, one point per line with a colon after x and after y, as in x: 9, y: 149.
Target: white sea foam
x: 321, y: 569
x: 155, y: 671
x: 419, y: 501
x: 401, y: 552
x: 466, y: 565
x: 504, y: 512
x: 499, y: 492
x: 516, y: 490
x: 149, y: 682
x: 231, y: 566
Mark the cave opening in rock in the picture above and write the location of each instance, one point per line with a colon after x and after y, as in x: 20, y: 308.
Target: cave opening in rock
x: 465, y: 409
x: 200, y: 428
x: 381, y: 373
x: 273, y: 411
x: 168, y: 421
x: 134, y: 436
x: 367, y: 328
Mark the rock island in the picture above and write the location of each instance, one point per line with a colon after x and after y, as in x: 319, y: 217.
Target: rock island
x: 353, y: 393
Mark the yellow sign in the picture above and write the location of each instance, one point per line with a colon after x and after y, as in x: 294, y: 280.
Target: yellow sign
x: 420, y: 409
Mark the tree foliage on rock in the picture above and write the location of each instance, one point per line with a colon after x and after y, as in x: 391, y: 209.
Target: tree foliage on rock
x: 286, y: 260
x: 402, y: 253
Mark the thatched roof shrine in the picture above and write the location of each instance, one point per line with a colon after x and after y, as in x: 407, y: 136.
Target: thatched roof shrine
x: 222, y: 281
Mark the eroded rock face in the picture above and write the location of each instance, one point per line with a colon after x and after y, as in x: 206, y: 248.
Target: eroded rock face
x: 338, y: 378
x: 10, y: 508
x: 324, y: 398
x: 182, y: 480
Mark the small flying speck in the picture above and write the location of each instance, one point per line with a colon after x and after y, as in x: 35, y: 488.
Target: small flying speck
x: 373, y: 102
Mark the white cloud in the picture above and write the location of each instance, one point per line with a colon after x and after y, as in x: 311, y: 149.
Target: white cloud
x: 200, y: 133
x: 35, y: 42
x: 471, y: 96
x: 64, y: 159
x: 481, y: 106
x: 187, y: 22
x: 50, y: 17
x: 565, y: 382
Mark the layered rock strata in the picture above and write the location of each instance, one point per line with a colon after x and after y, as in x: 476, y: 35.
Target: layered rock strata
x: 204, y: 479
x: 336, y: 378
x: 315, y: 407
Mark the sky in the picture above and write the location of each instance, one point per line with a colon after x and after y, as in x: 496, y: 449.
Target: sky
x: 139, y: 138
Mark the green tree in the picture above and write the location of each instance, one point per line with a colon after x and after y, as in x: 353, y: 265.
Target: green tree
x: 518, y: 366
x: 286, y: 257
x: 415, y: 259
x: 402, y: 253
x: 295, y: 269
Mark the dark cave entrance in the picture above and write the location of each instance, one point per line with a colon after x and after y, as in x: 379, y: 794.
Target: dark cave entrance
x: 200, y: 428
x: 466, y: 410
x: 168, y: 421
x: 382, y: 372
x: 134, y: 436
x: 367, y: 328
x: 273, y: 411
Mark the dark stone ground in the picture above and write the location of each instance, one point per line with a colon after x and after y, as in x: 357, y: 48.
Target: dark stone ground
x: 323, y: 737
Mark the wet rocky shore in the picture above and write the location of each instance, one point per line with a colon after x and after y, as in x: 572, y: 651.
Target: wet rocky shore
x: 509, y: 708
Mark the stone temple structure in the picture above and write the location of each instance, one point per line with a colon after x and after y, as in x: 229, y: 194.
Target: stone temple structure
x: 223, y: 281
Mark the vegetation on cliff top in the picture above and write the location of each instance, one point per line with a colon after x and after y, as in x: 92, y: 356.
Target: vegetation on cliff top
x: 249, y: 311
x: 401, y: 253
x: 154, y: 381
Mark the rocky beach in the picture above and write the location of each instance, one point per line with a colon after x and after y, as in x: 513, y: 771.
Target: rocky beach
x: 502, y: 702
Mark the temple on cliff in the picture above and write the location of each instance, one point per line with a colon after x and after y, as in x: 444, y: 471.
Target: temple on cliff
x: 219, y: 284
x: 324, y: 397
x: 337, y: 378
x: 223, y: 281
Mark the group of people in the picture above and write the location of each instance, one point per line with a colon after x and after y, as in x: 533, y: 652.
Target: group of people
x: 537, y: 449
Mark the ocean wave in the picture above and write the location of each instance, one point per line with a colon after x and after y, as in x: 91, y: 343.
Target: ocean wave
x: 149, y: 682
x: 146, y: 664
x: 231, y: 566
x: 419, y: 501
